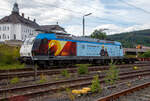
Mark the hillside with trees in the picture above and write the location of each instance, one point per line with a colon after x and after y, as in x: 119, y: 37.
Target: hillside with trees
x: 132, y: 39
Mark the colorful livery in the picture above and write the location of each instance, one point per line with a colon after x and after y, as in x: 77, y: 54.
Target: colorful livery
x: 53, y: 49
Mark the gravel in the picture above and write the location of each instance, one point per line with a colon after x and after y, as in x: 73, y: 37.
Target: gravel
x: 108, y: 90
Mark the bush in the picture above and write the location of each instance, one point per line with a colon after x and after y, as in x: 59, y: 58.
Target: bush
x: 95, y: 87
x: 42, y: 78
x: 65, y: 73
x: 70, y: 95
x: 112, y: 74
x: 14, y: 80
x: 8, y: 57
x: 8, y: 54
x: 82, y: 68
x: 145, y: 55
x: 12, y: 66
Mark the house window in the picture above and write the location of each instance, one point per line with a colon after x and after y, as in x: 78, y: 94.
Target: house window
x: 4, y: 36
x: 8, y: 36
x: 0, y: 36
x: 4, y: 28
x: 14, y: 36
x: 7, y: 28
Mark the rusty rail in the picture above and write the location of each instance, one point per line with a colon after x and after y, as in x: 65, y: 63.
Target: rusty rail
x: 30, y: 94
x: 58, y: 71
x: 40, y: 69
x: 124, y: 92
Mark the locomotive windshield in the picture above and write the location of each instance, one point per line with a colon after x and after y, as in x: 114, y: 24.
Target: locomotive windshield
x: 29, y: 41
x: 36, y: 44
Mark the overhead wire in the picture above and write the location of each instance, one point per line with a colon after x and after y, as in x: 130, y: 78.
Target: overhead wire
x: 131, y: 5
x: 81, y: 14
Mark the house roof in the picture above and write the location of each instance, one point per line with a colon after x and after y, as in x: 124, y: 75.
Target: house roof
x: 15, y: 18
x: 52, y: 28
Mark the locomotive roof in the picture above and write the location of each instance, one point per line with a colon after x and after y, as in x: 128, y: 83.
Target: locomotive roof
x: 83, y: 39
x: 74, y: 38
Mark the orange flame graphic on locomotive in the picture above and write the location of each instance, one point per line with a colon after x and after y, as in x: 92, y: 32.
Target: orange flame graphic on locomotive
x: 62, y: 48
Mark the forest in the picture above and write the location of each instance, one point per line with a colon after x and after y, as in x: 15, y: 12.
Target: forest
x: 132, y: 39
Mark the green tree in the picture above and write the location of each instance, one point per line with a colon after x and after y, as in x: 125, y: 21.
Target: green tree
x: 98, y: 34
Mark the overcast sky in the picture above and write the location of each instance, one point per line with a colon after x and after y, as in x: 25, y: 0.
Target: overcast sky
x: 115, y: 15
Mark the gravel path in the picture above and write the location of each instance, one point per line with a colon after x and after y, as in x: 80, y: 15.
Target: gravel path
x: 107, y: 91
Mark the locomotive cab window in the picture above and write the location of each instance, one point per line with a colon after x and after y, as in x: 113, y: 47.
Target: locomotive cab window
x: 120, y: 47
x: 26, y: 41
x: 30, y: 41
x: 36, y: 44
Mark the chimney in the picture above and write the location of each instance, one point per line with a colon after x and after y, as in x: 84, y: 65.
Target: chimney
x: 23, y: 15
x: 28, y: 18
x: 34, y: 20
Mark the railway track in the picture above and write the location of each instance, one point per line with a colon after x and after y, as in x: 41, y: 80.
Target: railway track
x: 54, y: 68
x: 39, y: 89
x: 137, y: 93
x: 20, y: 73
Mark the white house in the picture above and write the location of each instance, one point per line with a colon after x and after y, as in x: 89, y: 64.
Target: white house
x: 16, y: 27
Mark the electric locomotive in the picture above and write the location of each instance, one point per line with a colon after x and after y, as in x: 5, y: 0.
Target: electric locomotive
x: 52, y: 49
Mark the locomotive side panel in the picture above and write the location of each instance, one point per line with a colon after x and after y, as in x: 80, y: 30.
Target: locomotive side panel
x: 88, y: 49
x: 91, y: 49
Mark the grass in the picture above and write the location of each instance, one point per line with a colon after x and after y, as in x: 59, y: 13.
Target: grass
x: 9, y: 57
x: 96, y: 87
x: 65, y: 73
x: 70, y: 95
x: 112, y: 75
x: 42, y: 79
x: 82, y: 69
x: 14, y: 80
x: 11, y: 66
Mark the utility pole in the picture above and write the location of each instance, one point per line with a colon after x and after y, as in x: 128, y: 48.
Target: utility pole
x: 83, y: 26
x: 84, y: 22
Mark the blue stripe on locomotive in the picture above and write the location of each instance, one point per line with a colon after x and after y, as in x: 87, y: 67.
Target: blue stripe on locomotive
x: 85, y: 48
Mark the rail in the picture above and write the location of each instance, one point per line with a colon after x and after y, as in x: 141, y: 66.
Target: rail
x: 124, y: 92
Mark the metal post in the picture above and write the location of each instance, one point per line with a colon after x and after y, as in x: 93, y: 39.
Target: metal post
x: 84, y: 22
x: 83, y: 26
x: 35, y: 70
